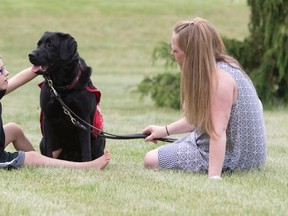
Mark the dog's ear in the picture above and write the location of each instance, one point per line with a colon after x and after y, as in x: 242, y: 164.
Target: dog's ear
x: 68, y: 47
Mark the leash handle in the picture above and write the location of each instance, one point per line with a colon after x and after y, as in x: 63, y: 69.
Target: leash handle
x: 136, y: 136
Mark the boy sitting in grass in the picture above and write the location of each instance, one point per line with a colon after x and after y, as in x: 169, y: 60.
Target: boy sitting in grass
x: 13, y: 133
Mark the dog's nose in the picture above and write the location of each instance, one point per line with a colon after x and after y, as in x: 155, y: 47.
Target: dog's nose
x: 32, y: 55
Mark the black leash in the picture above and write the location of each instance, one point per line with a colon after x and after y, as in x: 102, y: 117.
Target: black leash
x: 90, y: 127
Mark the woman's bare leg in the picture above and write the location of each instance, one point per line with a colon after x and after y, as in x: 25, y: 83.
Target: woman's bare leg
x: 151, y: 160
x: 33, y: 158
x: 14, y: 134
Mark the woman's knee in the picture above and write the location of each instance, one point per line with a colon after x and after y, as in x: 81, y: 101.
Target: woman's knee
x: 151, y: 159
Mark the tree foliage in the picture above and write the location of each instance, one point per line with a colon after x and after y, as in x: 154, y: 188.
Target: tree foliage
x: 268, y: 44
x: 163, y: 88
x: 263, y: 54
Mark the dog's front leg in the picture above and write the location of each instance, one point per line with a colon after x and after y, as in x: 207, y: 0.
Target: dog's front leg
x: 85, y: 142
x: 46, y: 145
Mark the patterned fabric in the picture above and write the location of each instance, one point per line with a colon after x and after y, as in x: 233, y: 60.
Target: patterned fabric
x: 246, y: 139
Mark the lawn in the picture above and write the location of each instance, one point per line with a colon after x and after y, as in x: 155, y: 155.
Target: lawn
x: 117, y: 38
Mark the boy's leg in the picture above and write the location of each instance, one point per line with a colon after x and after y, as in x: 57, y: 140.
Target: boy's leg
x: 27, y: 156
x: 14, y: 134
x: 33, y: 158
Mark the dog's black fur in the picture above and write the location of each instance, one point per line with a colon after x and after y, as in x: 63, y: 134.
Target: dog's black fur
x: 57, y: 56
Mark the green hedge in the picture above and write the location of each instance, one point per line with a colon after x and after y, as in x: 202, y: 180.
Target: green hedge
x: 263, y: 55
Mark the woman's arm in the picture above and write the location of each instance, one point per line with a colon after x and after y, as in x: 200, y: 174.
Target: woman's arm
x: 20, y: 79
x: 180, y: 126
x: 222, y: 101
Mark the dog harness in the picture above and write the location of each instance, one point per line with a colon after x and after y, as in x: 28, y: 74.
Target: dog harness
x: 98, y: 121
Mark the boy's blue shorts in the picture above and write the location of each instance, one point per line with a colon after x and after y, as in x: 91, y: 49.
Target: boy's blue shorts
x: 10, y: 160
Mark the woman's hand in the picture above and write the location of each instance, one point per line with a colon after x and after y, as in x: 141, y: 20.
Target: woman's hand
x: 179, y: 126
x: 154, y: 132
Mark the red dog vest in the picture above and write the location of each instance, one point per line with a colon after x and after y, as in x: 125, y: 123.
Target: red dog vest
x: 98, y: 121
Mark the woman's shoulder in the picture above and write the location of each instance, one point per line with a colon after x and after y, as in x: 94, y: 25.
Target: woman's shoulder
x: 226, y: 83
x: 233, y: 69
x: 228, y: 66
x: 225, y: 78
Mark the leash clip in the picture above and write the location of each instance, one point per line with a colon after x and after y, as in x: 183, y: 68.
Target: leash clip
x: 50, y: 84
x: 66, y: 111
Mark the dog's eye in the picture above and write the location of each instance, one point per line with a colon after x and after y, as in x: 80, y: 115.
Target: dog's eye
x: 49, y: 44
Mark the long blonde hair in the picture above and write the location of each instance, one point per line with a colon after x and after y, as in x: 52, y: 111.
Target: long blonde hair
x: 203, y: 47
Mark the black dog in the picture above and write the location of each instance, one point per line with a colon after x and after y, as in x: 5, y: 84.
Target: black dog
x: 57, y: 59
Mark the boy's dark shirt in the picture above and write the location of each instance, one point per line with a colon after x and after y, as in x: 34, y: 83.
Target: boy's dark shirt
x: 2, y: 135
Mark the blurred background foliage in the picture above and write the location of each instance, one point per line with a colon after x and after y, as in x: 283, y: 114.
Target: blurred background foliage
x: 263, y: 54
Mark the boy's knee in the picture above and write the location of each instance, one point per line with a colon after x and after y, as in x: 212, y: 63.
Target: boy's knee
x: 13, y: 128
x: 16, y: 128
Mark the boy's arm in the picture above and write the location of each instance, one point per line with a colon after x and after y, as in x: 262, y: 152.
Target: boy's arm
x: 20, y: 79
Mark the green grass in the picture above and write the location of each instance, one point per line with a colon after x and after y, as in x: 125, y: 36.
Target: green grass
x: 117, y: 38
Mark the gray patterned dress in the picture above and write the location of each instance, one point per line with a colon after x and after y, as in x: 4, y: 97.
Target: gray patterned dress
x: 246, y: 139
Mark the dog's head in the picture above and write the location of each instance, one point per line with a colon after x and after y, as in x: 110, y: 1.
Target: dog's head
x: 54, y: 50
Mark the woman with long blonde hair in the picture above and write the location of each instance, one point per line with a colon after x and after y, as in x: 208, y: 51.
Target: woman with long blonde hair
x: 222, y: 113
